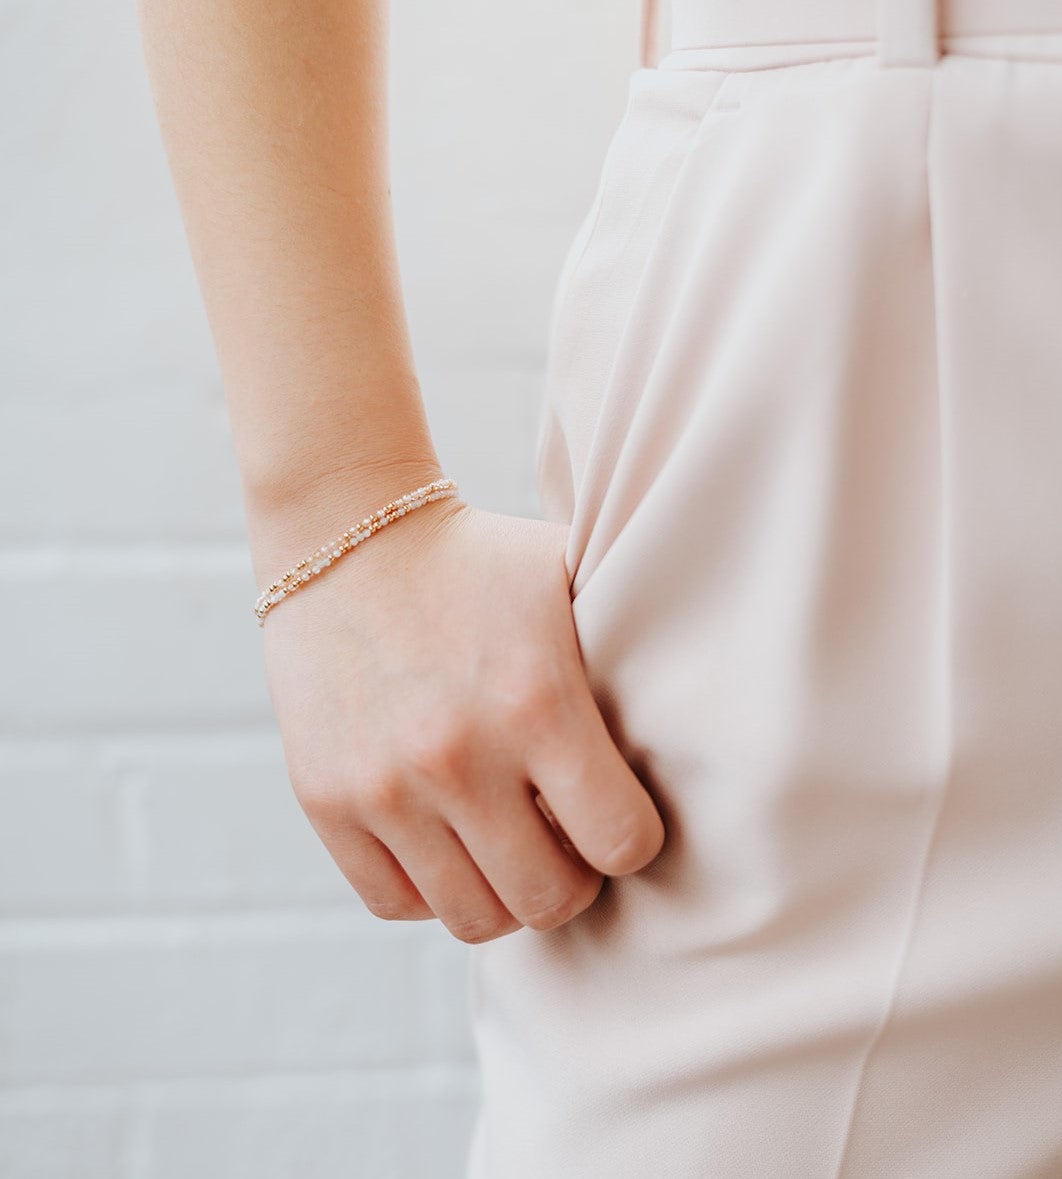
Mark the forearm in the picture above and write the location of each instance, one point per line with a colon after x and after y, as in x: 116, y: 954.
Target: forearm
x: 273, y: 115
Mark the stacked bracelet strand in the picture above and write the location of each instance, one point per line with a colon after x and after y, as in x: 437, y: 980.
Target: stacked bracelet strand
x: 327, y: 554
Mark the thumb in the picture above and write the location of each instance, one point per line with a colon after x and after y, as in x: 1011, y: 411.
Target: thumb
x: 593, y: 793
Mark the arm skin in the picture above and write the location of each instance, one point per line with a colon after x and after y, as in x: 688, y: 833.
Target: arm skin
x: 272, y: 113
x: 429, y: 689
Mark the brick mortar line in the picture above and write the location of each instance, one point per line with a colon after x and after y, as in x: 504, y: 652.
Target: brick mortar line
x: 370, y: 1077
x: 150, y: 557
x: 228, y: 928
x: 192, y: 910
x: 168, y: 745
x: 148, y: 741
x: 42, y: 736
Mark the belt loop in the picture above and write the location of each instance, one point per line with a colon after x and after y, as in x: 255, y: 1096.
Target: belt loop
x: 907, y: 33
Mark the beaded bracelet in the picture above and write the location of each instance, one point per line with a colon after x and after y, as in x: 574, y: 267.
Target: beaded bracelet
x: 317, y: 562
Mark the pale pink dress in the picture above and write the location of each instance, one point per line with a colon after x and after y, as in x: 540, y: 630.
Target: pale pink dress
x: 804, y: 414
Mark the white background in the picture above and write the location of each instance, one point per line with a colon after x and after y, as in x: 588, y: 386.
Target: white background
x: 188, y: 988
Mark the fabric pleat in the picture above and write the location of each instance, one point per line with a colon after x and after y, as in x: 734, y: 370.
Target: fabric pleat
x: 803, y: 413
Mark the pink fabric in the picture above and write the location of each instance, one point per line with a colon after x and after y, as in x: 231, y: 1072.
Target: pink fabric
x: 712, y: 23
x: 804, y: 414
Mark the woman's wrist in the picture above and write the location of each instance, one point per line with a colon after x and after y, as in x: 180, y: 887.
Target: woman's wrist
x: 285, y: 525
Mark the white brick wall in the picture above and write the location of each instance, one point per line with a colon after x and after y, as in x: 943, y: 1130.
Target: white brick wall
x: 188, y: 987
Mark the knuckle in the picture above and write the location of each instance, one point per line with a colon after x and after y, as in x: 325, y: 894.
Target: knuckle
x: 550, y: 909
x: 438, y: 752
x: 588, y: 891
x: 530, y: 699
x: 474, y: 930
x: 321, y: 800
x: 560, y: 904
x: 385, y: 796
x: 393, y: 909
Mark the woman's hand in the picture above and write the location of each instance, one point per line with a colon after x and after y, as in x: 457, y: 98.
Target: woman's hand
x: 431, y: 682
x: 431, y: 697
